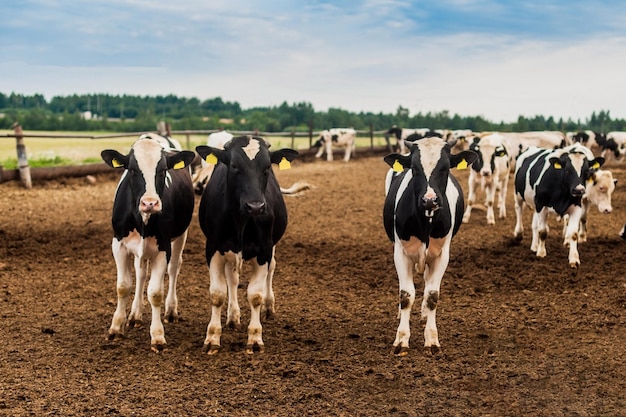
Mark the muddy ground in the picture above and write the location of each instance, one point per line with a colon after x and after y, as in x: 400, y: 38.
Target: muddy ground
x: 520, y: 335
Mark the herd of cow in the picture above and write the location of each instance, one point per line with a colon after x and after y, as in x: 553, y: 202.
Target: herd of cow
x: 243, y: 215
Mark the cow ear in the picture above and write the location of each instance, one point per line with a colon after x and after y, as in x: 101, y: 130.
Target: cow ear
x: 283, y: 157
x: 398, y: 162
x: 556, y: 163
x: 114, y: 159
x: 596, y: 163
x: 463, y: 159
x: 211, y: 155
x: 180, y: 159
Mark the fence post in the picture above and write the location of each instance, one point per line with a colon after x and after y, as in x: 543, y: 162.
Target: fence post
x: 22, y: 159
x: 310, y: 135
x: 371, y: 136
x: 293, y: 139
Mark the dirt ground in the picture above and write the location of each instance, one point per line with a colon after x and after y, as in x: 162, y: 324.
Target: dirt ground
x: 520, y: 335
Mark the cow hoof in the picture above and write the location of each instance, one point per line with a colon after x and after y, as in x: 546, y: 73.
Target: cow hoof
x: 135, y: 323
x: 400, y: 350
x: 268, y: 315
x: 113, y: 335
x: 171, y: 318
x: 518, y: 237
x: 158, y: 347
x: 253, y: 348
x: 434, y: 349
x: 574, y: 265
x: 233, y: 325
x: 211, y: 349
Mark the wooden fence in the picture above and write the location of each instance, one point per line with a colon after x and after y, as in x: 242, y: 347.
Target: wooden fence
x: 26, y: 174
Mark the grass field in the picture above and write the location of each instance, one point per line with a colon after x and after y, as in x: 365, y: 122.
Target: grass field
x: 71, y: 150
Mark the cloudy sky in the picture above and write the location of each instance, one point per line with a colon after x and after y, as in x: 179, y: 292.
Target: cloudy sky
x: 495, y: 58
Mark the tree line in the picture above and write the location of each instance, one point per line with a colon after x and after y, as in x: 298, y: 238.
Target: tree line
x: 124, y: 113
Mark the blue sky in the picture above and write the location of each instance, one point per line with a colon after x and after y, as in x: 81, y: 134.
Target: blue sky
x: 496, y: 59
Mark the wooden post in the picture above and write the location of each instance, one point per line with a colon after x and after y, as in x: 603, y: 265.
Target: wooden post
x: 310, y: 134
x: 371, y: 136
x: 22, y: 159
x: 293, y: 139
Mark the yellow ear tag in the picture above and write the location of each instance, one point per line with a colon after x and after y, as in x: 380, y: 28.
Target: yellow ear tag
x: 284, y: 164
x: 557, y: 165
x: 116, y: 164
x: 211, y: 159
x: 179, y: 165
x: 462, y: 164
x: 397, y: 166
x: 595, y: 165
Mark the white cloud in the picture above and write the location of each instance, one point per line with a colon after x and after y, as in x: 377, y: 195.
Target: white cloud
x: 371, y: 56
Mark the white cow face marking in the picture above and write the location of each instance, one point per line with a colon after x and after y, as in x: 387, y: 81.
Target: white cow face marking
x: 148, y: 154
x: 252, y: 148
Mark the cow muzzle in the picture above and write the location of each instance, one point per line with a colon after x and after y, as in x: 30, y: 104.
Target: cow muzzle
x: 255, y: 208
x: 578, y: 191
x: 150, y: 205
x: 431, y: 205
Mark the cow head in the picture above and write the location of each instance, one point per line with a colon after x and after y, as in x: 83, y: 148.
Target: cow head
x: 430, y: 161
x: 599, y: 190
x: 574, y: 170
x: 147, y: 171
x: 248, y: 162
x: 323, y: 138
x: 488, y: 149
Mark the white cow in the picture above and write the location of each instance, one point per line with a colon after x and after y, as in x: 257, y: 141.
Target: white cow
x: 491, y: 172
x: 203, y: 173
x: 598, y: 192
x: 616, y: 142
x: 343, y: 137
x: 402, y: 134
x: 518, y: 142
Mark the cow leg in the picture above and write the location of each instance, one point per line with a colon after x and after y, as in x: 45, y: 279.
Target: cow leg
x: 232, y: 268
x: 471, y: 197
x: 519, y: 225
x: 122, y: 262
x: 158, y: 267
x: 540, y: 232
x: 329, y: 150
x: 582, y: 229
x: 502, y: 190
x: 571, y: 235
x: 436, y: 264
x: 173, y: 269
x: 490, y: 196
x: 136, y: 311
x: 256, y: 295
x: 320, y: 152
x: 218, y: 293
x: 346, y: 155
x: 405, y: 266
x: 269, y: 307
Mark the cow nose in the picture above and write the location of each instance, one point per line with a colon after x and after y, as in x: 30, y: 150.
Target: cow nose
x: 485, y: 173
x: 255, y: 208
x: 578, y: 191
x: 149, y: 205
x: 430, y: 205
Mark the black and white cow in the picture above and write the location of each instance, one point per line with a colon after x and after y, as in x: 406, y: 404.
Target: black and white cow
x: 152, y: 210
x: 552, y: 181
x: 340, y: 137
x: 422, y: 212
x: 490, y: 172
x: 243, y: 216
x: 402, y: 134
